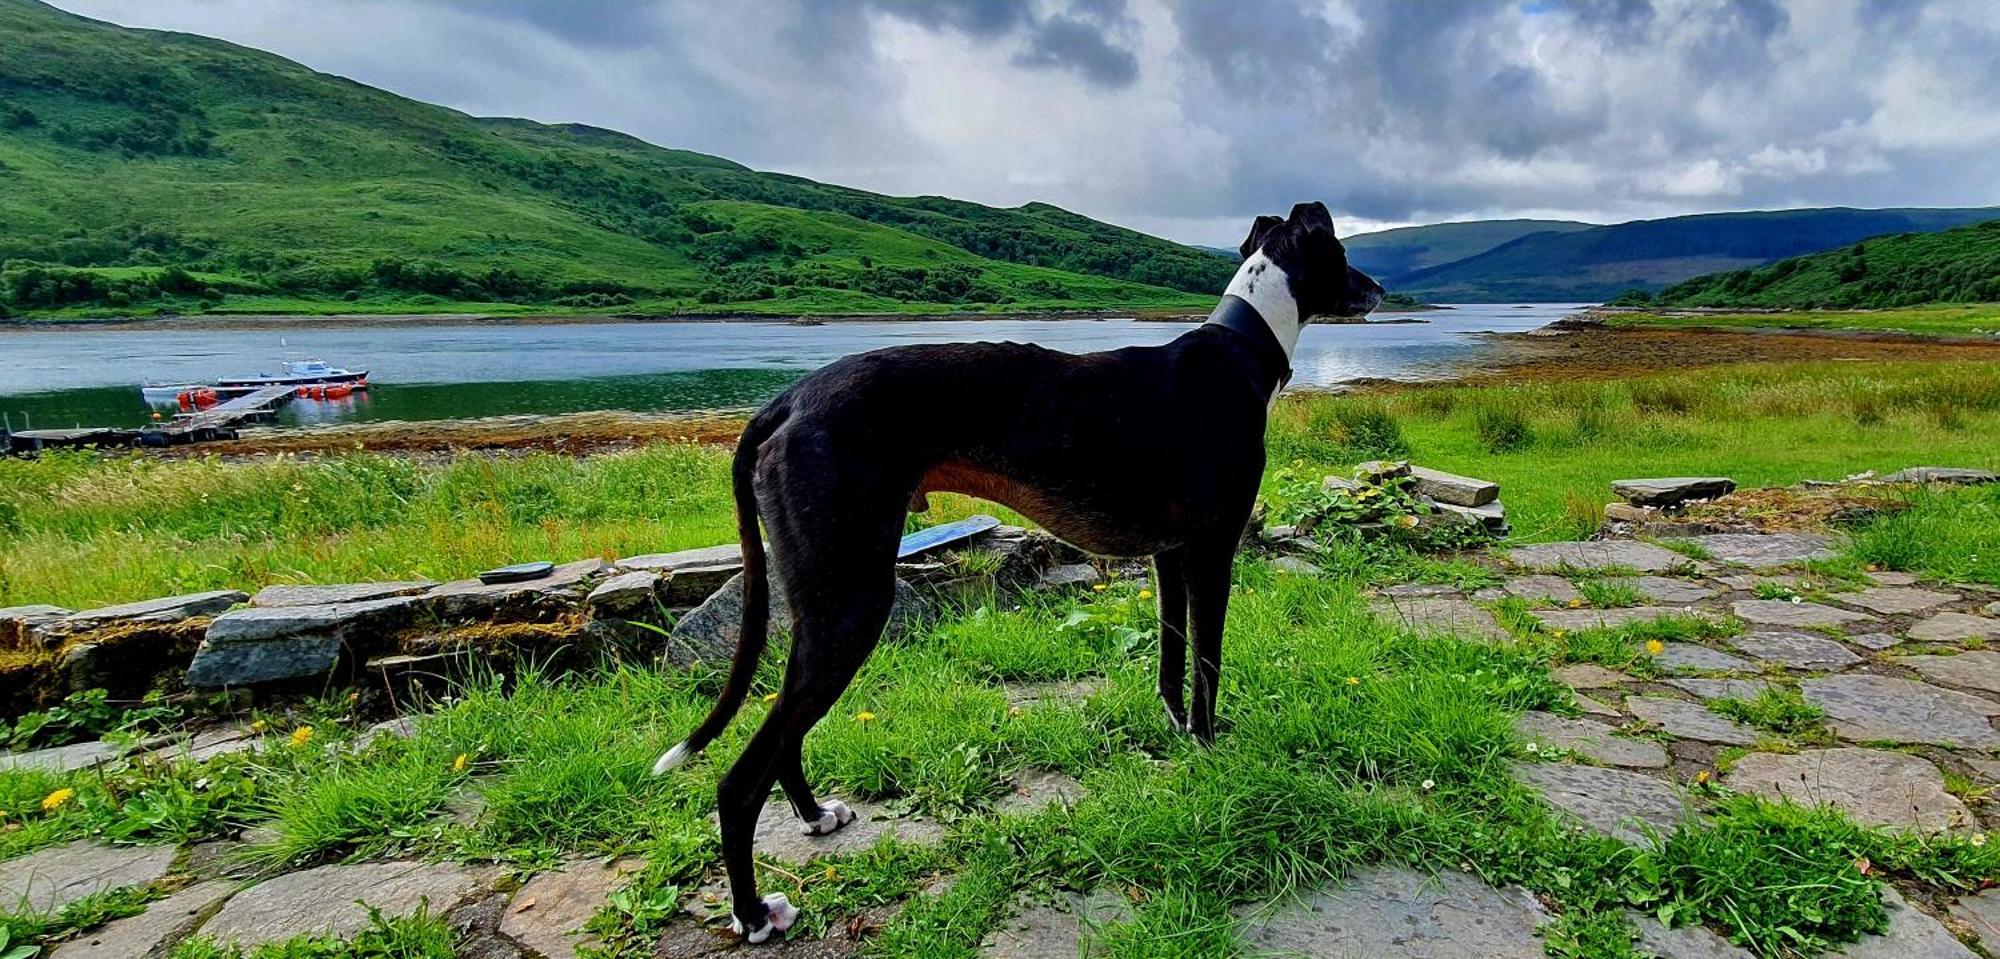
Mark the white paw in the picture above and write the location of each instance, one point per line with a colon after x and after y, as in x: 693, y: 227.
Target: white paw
x: 833, y: 814
x: 779, y: 915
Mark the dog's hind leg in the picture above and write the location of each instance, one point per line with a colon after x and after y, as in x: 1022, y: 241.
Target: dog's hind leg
x: 1170, y: 581
x: 1208, y: 572
x: 816, y: 817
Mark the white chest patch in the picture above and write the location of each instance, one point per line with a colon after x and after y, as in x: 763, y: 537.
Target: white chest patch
x: 1261, y: 284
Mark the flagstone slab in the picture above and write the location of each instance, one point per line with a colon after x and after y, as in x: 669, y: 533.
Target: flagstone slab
x: 1690, y: 720
x: 1796, y: 615
x: 548, y: 913
x: 1875, y: 641
x: 19, y: 623
x: 334, y: 900
x: 1883, y: 708
x: 62, y: 759
x: 1671, y: 490
x: 1897, y: 600
x: 1874, y: 786
x: 1686, y: 942
x: 1059, y: 930
x: 1982, y: 913
x: 1541, y: 586
x: 1389, y: 912
x: 1665, y: 590
x: 1706, y: 689
x: 338, y: 593
x: 1570, y: 620
x: 1977, y: 669
x: 44, y: 882
x: 1698, y: 658
x: 1585, y: 704
x: 1765, y: 550
x: 1599, y: 555
x: 1590, y: 676
x: 1616, y: 802
x: 152, y: 932
x: 1795, y: 650
x: 167, y: 609
x: 470, y: 597
x: 1033, y: 790
x: 778, y: 834
x: 1911, y: 935
x: 1438, y: 614
x: 1590, y: 739
x: 1956, y: 628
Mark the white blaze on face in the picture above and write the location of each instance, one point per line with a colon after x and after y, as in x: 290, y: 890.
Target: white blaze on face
x: 1261, y: 284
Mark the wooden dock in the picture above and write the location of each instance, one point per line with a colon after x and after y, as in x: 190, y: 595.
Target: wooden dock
x: 218, y: 422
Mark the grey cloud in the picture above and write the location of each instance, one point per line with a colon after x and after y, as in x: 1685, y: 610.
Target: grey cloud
x: 1071, y: 43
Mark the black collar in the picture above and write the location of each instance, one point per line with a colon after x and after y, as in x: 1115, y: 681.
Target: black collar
x: 1236, y: 315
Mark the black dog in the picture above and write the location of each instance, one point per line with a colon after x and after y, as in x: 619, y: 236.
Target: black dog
x: 1145, y: 451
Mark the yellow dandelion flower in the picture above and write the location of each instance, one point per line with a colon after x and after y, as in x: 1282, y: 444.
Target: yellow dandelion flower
x: 257, y: 726
x: 1655, y: 647
x: 1353, y: 680
x: 1145, y: 594
x: 864, y: 716
x: 1100, y: 587
x: 302, y: 735
x: 58, y: 799
x: 1560, y: 634
x: 831, y: 875
x: 1576, y: 604
x: 770, y: 697
x: 1701, y: 777
x: 458, y: 765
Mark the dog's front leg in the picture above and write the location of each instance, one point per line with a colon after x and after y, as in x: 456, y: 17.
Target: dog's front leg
x: 1208, y: 606
x: 1170, y: 580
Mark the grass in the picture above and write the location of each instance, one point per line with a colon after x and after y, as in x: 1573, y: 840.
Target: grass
x: 1951, y: 536
x: 1345, y: 743
x: 1966, y: 319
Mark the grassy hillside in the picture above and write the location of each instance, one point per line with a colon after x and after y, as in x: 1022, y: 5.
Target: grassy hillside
x: 143, y: 170
x: 1602, y: 262
x: 1954, y: 266
x: 1390, y: 255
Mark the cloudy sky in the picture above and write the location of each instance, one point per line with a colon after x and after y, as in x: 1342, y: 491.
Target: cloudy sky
x: 1187, y: 117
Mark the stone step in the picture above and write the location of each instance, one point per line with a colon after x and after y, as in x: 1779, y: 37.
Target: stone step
x: 1672, y: 490
x: 1454, y: 489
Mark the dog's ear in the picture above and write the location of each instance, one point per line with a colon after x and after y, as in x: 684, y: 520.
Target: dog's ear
x: 1251, y: 243
x: 1312, y: 216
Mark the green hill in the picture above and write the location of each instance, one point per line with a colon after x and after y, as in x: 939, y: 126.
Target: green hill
x: 1953, y: 266
x: 142, y: 170
x: 1390, y: 255
x: 1601, y: 262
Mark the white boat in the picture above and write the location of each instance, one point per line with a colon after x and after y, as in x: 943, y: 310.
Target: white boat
x: 299, y: 373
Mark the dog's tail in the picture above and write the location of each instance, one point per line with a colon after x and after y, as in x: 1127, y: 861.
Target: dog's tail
x: 756, y: 594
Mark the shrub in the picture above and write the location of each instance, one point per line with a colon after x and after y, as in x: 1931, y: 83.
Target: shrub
x: 1502, y: 428
x: 1367, y: 430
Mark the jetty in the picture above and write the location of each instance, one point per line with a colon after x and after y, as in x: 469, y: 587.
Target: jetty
x: 218, y: 422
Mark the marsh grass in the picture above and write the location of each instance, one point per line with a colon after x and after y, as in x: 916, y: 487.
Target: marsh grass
x: 1946, y: 535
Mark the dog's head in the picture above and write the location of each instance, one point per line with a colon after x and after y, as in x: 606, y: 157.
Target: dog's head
x: 1303, y: 245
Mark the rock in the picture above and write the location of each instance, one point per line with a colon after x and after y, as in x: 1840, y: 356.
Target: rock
x: 1541, y: 586
x: 1615, y: 802
x: 1672, y: 490
x: 1376, y: 472
x: 1978, y: 669
x: 1896, y: 600
x: 1590, y: 676
x: 1875, y: 641
x: 1797, y: 615
x: 1795, y: 650
x: 1874, y: 786
x: 19, y: 623
x: 1890, y: 577
x: 170, y: 609
x: 548, y: 913
x: 273, y: 596
x: 1943, y: 475
x: 1492, y: 516
x: 1749, y: 581
x: 1036, y: 789
x: 1870, y: 708
x: 258, y: 645
x: 152, y: 932
x: 1294, y: 565
x: 1572, y: 620
x: 62, y: 759
x: 1390, y: 912
x: 334, y: 901
x: 1058, y: 931
x: 1690, y: 720
x: 1761, y: 550
x: 402, y: 727
x: 1627, y: 513
x: 1068, y: 693
x: 625, y: 596
x: 778, y: 833
x: 1602, y: 555
x: 1982, y: 913
x: 1402, y: 590
x: 469, y: 598
x: 1454, y: 489
x: 712, y: 630
x: 1956, y: 628
x: 1071, y: 576
x: 690, y: 575
x: 42, y: 883
x: 1689, y: 656
x: 1911, y: 935
x: 1706, y: 689
x: 1590, y: 739
x: 1587, y: 705
x: 210, y: 743
x: 1686, y: 942
x: 1339, y: 483
x: 1455, y: 617
x: 1665, y: 590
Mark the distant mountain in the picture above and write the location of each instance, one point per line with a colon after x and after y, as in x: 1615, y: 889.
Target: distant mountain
x: 1599, y: 263
x: 1951, y: 266
x: 1390, y: 255
x: 145, y: 170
